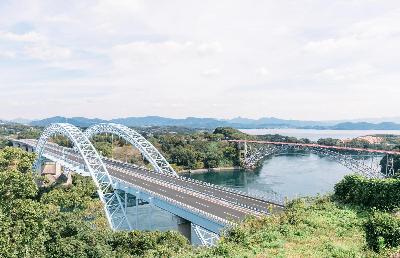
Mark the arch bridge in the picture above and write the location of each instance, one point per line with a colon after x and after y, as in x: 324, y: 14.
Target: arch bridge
x: 361, y: 161
x: 200, y: 207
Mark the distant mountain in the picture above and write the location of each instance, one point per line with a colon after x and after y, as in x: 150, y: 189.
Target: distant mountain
x: 21, y: 121
x: 77, y: 121
x: 366, y: 126
x: 162, y: 121
x: 273, y: 121
x: 191, y: 122
x: 211, y: 123
x: 377, y: 120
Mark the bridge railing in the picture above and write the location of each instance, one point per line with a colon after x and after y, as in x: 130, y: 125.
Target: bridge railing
x: 275, y: 199
x: 187, y: 207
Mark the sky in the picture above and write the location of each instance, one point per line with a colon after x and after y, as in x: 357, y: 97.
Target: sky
x: 303, y: 59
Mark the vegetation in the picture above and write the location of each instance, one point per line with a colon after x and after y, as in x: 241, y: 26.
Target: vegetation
x: 383, y: 231
x: 19, y: 131
x: 381, y: 198
x: 53, y: 220
x: 60, y: 221
x: 317, y: 227
x: 384, y: 142
x: 188, y: 149
x: 197, y: 151
x: 383, y: 194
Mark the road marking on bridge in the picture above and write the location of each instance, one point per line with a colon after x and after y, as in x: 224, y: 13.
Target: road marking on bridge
x: 209, y: 193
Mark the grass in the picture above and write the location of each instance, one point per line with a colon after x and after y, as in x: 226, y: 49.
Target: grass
x: 315, y: 227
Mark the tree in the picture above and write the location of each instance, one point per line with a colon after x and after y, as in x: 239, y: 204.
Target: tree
x: 184, y: 156
x: 58, y: 221
x: 213, y: 156
x: 328, y: 141
x: 16, y: 159
x: 231, y: 133
x: 103, y: 148
x: 16, y: 186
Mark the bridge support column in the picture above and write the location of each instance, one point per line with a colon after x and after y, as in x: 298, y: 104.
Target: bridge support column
x: 185, y: 228
x: 242, y: 148
x: 137, y: 209
x: 58, y: 169
x: 125, y: 198
x: 150, y: 213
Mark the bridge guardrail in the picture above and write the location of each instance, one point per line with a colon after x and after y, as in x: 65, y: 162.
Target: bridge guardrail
x: 187, y: 207
x: 277, y: 200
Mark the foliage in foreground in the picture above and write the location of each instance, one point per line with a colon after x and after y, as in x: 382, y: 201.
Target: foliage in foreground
x: 383, y: 194
x: 383, y: 231
x: 309, y: 228
x: 60, y: 221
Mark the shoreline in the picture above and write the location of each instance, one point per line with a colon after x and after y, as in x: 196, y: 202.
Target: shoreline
x: 205, y: 170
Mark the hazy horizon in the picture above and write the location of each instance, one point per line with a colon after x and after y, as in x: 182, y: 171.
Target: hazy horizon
x: 371, y: 119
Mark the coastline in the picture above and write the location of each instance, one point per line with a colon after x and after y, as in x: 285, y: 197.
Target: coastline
x: 205, y: 170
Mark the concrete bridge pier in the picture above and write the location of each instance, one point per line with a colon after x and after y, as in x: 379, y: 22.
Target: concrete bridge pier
x: 242, y: 148
x: 51, y: 168
x: 185, y: 228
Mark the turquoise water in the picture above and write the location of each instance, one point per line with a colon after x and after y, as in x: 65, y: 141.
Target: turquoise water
x: 288, y: 175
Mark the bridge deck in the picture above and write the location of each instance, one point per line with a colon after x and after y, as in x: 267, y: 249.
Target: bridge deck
x: 220, y: 202
x: 313, y: 145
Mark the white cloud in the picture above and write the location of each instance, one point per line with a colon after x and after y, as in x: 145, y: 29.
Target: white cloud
x: 333, y: 45
x: 206, y: 49
x: 356, y: 73
x: 179, y: 58
x: 47, y: 52
x: 35, y: 46
x: 143, y: 53
x: 26, y: 37
x: 211, y: 72
x: 7, y: 54
x: 262, y: 71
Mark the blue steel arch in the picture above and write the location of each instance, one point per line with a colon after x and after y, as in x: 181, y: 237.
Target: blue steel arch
x: 152, y: 155
x: 114, y: 209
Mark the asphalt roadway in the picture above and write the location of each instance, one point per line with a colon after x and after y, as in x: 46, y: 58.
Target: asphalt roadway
x: 210, y: 199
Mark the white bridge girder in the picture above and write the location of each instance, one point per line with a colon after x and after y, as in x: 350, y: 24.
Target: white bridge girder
x: 156, y: 159
x: 152, y: 155
x: 114, y: 210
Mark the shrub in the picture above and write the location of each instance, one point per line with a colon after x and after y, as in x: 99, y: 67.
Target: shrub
x: 383, y: 194
x: 382, y: 231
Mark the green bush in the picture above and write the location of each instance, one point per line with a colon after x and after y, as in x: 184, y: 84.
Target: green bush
x: 383, y: 194
x: 382, y: 231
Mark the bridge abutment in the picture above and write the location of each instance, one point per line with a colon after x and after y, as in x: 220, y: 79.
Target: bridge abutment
x: 52, y: 168
x: 185, y: 228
